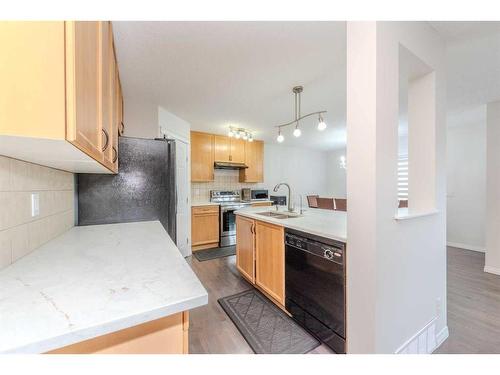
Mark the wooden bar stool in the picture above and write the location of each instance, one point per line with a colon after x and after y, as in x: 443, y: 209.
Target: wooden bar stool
x: 312, y: 201
x: 325, y: 203
x: 340, y: 204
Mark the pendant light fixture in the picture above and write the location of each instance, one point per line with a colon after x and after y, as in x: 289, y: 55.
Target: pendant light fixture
x: 280, y: 137
x: 297, y: 91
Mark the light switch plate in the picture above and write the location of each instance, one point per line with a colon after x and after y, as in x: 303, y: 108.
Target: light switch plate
x: 35, y: 204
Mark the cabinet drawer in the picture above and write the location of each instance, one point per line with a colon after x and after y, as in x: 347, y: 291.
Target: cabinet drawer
x: 205, y: 209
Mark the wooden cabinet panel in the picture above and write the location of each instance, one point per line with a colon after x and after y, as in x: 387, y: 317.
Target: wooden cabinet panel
x: 245, y: 247
x: 229, y: 149
x: 237, y: 150
x: 83, y: 86
x: 56, y: 94
x: 222, y: 148
x: 202, y: 157
x: 107, y: 93
x: 116, y: 117
x: 167, y: 335
x: 270, y: 260
x: 254, y: 159
x: 32, y: 88
x: 204, y: 227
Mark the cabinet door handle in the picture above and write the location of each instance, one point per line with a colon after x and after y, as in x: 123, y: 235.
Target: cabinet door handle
x: 106, y: 143
x: 122, y: 128
x: 115, y: 154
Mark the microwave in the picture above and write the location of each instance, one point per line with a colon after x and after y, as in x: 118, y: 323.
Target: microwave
x: 259, y: 195
x: 254, y: 195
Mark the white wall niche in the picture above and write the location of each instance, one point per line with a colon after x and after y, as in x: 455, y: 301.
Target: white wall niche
x: 416, y: 135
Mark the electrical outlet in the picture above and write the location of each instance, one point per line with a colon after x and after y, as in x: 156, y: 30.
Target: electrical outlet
x: 35, y: 204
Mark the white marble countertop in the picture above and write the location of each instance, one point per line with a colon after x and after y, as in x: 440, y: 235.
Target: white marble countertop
x: 324, y: 223
x: 91, y: 281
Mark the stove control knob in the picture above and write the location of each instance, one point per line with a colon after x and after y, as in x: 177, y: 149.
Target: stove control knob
x: 328, y: 254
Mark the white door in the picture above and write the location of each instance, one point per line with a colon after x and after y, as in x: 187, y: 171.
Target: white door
x: 183, y: 207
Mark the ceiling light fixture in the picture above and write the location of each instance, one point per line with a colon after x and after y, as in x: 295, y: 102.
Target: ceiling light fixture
x: 240, y: 133
x: 280, y: 137
x: 297, y: 132
x: 297, y: 91
x: 321, y: 123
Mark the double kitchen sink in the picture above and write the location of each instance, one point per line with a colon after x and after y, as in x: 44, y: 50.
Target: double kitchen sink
x: 279, y: 215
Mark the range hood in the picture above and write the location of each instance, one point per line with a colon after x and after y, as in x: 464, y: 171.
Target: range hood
x: 229, y: 165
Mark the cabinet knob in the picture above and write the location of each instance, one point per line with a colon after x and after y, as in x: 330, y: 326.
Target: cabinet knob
x: 106, y: 143
x: 115, y: 155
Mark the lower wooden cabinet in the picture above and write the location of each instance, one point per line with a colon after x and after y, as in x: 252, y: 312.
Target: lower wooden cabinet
x: 204, y: 227
x: 270, y: 260
x: 245, y: 247
x: 260, y: 256
x: 167, y: 335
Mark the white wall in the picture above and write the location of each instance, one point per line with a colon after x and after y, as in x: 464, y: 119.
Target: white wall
x: 173, y: 126
x: 396, y: 269
x: 336, y: 174
x: 466, y: 190
x: 303, y: 168
x: 140, y: 118
x: 492, y: 259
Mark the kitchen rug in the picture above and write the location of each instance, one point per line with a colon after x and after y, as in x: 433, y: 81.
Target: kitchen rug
x: 219, y: 252
x: 266, y: 328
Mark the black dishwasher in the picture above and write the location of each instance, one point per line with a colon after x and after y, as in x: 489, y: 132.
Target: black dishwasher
x: 315, y: 286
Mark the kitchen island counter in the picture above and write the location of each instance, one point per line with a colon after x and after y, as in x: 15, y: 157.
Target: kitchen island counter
x: 92, y: 281
x: 324, y: 223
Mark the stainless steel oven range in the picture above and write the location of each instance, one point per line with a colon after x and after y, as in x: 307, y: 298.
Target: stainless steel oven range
x: 229, y: 201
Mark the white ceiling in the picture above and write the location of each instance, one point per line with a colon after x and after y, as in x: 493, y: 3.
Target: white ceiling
x: 216, y: 74
x: 213, y: 74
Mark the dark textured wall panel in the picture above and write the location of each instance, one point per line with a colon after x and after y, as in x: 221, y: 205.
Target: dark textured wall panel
x: 143, y: 189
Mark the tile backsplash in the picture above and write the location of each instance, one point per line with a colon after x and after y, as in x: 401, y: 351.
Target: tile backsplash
x: 20, y: 233
x: 224, y: 179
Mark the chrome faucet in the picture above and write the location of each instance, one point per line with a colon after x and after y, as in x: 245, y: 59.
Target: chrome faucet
x: 290, y: 208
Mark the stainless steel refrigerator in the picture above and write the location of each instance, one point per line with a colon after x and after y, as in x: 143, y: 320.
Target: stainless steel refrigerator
x: 143, y: 189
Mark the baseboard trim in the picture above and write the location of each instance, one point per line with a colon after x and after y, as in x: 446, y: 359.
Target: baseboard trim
x: 493, y: 270
x: 466, y: 247
x: 425, y: 341
x: 441, y: 337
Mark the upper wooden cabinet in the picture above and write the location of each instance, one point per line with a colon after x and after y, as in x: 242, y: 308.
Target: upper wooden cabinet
x: 209, y: 148
x: 237, y: 150
x: 229, y: 149
x: 222, y: 146
x: 57, y: 96
x: 108, y: 95
x: 202, y: 157
x: 254, y: 159
x: 83, y: 86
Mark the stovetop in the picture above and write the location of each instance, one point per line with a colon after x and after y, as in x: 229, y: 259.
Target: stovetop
x: 227, y: 197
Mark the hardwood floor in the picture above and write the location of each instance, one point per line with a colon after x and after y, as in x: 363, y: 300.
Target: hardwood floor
x: 473, y: 305
x: 210, y: 329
